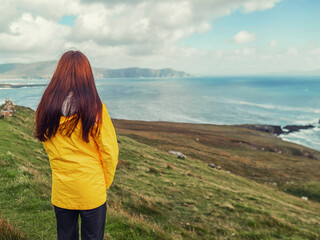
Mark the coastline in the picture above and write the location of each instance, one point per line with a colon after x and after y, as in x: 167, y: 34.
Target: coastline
x: 20, y: 85
x: 258, y: 155
x: 282, y: 132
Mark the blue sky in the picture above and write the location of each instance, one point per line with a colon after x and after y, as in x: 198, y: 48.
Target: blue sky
x: 202, y: 37
x: 291, y: 22
x: 68, y: 20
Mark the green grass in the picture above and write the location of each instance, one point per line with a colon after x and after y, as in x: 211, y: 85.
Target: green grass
x: 309, y: 189
x: 252, y: 154
x: 148, y: 199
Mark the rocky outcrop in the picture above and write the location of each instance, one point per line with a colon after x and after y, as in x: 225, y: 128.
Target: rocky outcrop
x: 8, y: 109
x: 272, y: 129
x: 296, y: 128
x: 276, y: 129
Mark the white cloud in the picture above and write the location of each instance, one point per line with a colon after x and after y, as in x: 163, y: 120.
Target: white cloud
x: 244, y: 37
x: 254, y: 5
x: 30, y: 33
x: 273, y: 43
x: 129, y: 22
x: 146, y: 22
x: 142, y: 33
x: 246, y: 52
x: 292, y: 51
x: 49, y: 9
x: 315, y: 51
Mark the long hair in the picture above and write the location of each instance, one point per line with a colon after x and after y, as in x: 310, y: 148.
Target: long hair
x: 73, y: 74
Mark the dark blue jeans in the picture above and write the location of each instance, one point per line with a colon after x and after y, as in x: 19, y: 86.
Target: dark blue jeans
x: 92, y: 223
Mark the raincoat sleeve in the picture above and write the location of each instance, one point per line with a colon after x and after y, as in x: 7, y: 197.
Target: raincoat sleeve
x: 108, y: 147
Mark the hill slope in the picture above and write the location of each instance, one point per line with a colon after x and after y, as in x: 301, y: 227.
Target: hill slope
x: 260, y: 156
x: 154, y: 195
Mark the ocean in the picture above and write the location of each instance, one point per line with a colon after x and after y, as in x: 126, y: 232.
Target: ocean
x: 216, y: 100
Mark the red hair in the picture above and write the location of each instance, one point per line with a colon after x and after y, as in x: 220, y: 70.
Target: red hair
x: 73, y: 73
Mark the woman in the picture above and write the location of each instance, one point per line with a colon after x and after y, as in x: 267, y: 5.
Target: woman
x: 79, y: 138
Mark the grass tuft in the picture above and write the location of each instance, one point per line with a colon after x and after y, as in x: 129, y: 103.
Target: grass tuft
x: 9, y: 232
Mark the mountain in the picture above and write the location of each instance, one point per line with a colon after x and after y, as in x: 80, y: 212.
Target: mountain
x: 156, y: 195
x: 27, y: 70
x: 143, y: 72
x: 40, y: 70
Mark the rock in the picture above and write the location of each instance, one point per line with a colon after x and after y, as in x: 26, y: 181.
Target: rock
x: 197, y: 139
x: 304, y: 198
x: 273, y: 129
x: 178, y: 154
x: 296, y: 128
x: 277, y: 130
x: 212, y: 165
x: 8, y: 109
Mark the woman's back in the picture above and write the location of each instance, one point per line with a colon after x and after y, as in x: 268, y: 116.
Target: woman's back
x: 78, y: 181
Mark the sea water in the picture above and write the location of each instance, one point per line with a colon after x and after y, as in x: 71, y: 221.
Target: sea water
x: 217, y: 100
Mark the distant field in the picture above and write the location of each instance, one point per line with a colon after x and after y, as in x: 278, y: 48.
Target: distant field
x: 252, y: 154
x: 158, y: 196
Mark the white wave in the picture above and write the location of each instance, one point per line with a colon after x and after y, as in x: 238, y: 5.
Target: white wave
x: 279, y: 107
x: 307, y: 137
x: 11, y: 89
x: 266, y: 106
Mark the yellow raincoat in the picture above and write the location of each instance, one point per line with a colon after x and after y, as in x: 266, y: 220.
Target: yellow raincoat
x: 82, y: 172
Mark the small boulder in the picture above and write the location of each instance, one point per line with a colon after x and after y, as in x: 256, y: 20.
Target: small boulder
x: 178, y: 154
x: 212, y: 165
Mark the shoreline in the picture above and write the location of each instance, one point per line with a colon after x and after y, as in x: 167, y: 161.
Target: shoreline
x: 258, y: 155
x: 20, y: 85
x: 269, y: 128
x: 276, y: 130
x: 272, y: 130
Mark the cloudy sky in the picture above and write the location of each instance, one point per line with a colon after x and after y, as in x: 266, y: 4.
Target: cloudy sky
x: 205, y: 37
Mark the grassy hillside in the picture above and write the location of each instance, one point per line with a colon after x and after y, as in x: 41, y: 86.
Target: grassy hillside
x: 252, y: 154
x: 154, y: 195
